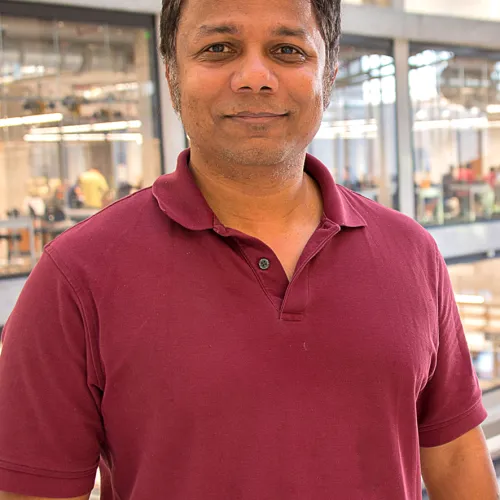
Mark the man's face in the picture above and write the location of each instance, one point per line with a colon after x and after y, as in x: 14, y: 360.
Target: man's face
x: 250, y: 78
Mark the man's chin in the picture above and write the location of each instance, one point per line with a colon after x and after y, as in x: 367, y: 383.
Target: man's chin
x: 256, y: 155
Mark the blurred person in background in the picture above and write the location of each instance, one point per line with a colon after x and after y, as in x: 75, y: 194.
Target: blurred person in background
x: 246, y: 328
x: 34, y: 204
x: 93, y: 187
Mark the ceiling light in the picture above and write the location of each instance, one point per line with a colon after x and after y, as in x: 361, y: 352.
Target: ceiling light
x: 493, y: 108
x: 125, y: 138
x: 469, y: 299
x: 31, y: 120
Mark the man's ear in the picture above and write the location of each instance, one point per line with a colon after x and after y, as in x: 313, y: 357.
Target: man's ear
x: 335, y: 73
x: 328, y: 84
x: 171, y: 74
x: 168, y: 76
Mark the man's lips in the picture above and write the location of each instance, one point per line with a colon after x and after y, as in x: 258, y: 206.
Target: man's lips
x: 248, y: 114
x: 260, y: 114
x: 262, y: 117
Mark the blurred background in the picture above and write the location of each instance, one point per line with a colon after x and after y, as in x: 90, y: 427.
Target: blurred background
x: 414, y: 124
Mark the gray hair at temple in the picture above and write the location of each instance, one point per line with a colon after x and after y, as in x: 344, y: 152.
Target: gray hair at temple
x: 328, y: 14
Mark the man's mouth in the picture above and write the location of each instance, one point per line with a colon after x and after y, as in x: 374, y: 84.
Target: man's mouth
x: 257, y: 117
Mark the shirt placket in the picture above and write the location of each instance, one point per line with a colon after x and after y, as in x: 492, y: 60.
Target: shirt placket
x: 289, y: 297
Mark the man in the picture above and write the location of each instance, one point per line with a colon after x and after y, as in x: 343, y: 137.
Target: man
x: 245, y: 329
x: 93, y: 186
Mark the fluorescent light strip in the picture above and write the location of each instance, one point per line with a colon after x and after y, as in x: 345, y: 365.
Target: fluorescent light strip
x: 125, y: 138
x: 493, y: 108
x: 96, y: 127
x: 84, y: 138
x: 461, y: 123
x: 469, y: 299
x: 31, y: 120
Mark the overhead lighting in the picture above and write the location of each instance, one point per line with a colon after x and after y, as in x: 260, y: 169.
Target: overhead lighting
x: 75, y: 129
x: 348, y: 129
x: 469, y: 299
x: 119, y: 87
x: 125, y: 138
x: 135, y: 124
x: 84, y: 138
x: 31, y: 120
x: 110, y: 126
x: 460, y: 123
x: 493, y: 108
x: 96, y: 127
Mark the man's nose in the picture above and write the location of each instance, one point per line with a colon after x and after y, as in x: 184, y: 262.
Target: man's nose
x: 255, y: 75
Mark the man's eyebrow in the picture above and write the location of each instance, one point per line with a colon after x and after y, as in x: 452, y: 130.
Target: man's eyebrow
x: 288, y: 31
x: 206, y: 30
x: 215, y: 29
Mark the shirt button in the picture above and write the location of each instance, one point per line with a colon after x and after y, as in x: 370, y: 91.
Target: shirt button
x: 264, y: 264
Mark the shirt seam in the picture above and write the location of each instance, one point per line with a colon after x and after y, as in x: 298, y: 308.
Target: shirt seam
x: 447, y: 423
x: 49, y: 251
x: 45, y: 473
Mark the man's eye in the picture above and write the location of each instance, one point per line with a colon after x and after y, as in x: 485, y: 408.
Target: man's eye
x: 218, y: 48
x: 289, y: 51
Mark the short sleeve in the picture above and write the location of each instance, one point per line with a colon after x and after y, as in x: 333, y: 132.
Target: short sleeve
x: 50, y: 425
x: 451, y: 403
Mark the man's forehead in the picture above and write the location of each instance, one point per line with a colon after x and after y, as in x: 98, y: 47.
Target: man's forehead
x: 227, y: 28
x: 238, y: 14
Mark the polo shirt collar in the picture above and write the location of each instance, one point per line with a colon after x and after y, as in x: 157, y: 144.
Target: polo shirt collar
x: 179, y: 197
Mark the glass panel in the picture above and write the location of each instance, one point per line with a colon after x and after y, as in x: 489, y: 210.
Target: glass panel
x: 477, y: 288
x: 478, y: 9
x: 357, y: 138
x: 76, y: 128
x: 455, y: 96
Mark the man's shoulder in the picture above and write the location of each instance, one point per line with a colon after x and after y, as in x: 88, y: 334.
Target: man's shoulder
x: 387, y: 223
x: 111, y: 229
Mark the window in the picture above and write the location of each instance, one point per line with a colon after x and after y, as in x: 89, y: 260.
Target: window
x: 357, y: 138
x: 76, y: 128
x: 477, y: 288
x: 456, y: 132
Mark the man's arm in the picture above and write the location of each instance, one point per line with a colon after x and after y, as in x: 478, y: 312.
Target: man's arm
x: 12, y: 496
x: 460, y: 470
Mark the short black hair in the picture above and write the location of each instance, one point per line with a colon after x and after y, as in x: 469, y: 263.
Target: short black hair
x: 328, y: 14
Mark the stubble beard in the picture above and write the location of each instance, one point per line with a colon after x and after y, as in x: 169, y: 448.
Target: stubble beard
x: 252, y: 156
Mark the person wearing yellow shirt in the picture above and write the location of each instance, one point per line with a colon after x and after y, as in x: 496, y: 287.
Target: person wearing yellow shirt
x: 93, y: 186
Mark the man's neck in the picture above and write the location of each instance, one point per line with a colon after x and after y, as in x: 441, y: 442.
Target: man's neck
x: 261, y: 198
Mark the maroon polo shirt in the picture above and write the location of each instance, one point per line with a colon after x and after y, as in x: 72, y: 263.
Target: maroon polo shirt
x: 177, y: 349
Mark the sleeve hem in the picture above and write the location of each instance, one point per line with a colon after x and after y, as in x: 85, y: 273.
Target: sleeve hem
x: 438, y: 435
x: 33, y: 484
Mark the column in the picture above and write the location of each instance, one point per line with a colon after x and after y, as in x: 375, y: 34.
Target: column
x: 404, y: 128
